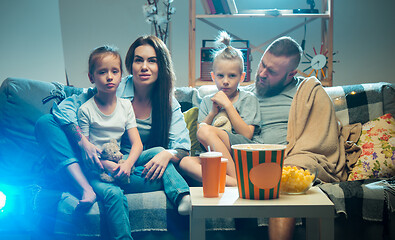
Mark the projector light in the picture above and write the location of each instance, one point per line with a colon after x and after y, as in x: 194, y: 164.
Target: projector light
x: 2, y: 200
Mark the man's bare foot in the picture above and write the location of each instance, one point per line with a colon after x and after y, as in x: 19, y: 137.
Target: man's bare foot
x: 87, y: 200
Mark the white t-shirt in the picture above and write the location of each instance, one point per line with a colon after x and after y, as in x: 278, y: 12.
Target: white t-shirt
x: 99, y: 127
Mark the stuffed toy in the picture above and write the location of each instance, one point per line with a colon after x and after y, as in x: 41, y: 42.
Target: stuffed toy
x: 111, y: 152
x: 221, y: 121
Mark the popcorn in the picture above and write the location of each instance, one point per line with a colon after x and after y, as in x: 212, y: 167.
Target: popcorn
x: 295, y: 180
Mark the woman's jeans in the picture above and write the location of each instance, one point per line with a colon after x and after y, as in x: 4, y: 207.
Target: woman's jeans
x: 62, y: 152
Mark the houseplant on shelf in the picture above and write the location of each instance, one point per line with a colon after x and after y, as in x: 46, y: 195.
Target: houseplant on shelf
x: 159, y: 19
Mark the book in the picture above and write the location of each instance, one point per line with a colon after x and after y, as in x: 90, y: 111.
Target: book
x: 206, y: 7
x: 232, y: 6
x: 218, y: 6
x: 270, y: 12
x: 211, y: 6
x: 225, y: 6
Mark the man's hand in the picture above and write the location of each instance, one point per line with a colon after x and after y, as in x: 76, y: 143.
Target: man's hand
x: 155, y: 168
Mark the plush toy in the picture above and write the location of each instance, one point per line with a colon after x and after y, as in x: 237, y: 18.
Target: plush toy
x: 221, y: 121
x: 111, y: 152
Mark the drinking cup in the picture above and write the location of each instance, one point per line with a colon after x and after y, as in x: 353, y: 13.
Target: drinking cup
x: 222, y: 178
x: 211, y: 163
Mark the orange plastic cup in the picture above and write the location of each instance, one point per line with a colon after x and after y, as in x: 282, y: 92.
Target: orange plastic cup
x: 211, y: 163
x: 222, y: 177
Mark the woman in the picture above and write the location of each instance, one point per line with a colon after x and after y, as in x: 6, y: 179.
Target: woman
x: 160, y: 124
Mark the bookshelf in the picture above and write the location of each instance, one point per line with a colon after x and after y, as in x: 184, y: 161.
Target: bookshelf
x: 326, y: 16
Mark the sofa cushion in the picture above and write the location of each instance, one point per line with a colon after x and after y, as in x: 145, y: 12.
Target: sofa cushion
x: 188, y: 97
x: 378, y: 150
x: 190, y: 117
x: 22, y: 102
x: 20, y: 106
x: 361, y: 103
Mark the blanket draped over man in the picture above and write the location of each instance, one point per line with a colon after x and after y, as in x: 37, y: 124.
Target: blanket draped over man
x: 314, y: 133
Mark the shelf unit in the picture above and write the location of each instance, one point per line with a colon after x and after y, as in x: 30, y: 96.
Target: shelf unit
x: 326, y: 17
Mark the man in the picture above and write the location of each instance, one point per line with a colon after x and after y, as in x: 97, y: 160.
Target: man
x: 299, y: 113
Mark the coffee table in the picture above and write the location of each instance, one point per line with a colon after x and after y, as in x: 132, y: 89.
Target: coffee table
x: 315, y: 206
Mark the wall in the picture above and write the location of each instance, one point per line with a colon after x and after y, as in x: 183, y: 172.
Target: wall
x: 362, y: 36
x: 30, y: 40
x: 90, y: 23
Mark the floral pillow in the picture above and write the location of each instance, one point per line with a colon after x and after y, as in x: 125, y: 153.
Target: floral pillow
x: 378, y: 150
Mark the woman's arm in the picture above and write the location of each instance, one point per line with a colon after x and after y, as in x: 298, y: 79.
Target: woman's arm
x: 178, y: 134
x: 179, y: 145
x: 178, y: 154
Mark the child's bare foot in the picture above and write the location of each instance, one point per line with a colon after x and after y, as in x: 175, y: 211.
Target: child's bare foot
x: 87, y: 200
x: 184, y: 206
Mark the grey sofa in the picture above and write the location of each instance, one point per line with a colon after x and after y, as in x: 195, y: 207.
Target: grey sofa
x: 41, y: 213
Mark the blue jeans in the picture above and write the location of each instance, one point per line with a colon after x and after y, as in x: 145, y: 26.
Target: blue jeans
x: 173, y: 184
x: 115, y: 202
x: 62, y: 152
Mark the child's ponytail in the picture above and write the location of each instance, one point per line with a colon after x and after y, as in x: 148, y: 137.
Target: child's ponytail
x: 227, y: 52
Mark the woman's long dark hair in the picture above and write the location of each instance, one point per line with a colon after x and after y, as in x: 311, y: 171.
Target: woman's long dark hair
x: 161, y: 92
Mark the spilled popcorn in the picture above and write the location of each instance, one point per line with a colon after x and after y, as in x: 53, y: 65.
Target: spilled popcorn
x: 294, y: 180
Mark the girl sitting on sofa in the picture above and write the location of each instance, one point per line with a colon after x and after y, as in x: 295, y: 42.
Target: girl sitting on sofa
x: 159, y: 121
x: 106, y: 116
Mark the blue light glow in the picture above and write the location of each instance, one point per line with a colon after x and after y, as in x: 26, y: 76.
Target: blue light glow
x: 3, y: 199
x: 7, y: 199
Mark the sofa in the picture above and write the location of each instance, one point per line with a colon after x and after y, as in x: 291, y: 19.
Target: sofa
x: 34, y: 211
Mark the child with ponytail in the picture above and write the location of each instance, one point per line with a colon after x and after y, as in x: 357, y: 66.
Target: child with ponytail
x: 241, y: 107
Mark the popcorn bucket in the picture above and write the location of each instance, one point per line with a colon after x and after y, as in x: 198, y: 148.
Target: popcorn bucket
x: 258, y: 170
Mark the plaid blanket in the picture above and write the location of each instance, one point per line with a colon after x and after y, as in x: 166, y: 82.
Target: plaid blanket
x: 371, y: 199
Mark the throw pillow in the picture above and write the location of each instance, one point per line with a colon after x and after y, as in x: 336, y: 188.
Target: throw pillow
x: 378, y: 150
x: 190, y: 117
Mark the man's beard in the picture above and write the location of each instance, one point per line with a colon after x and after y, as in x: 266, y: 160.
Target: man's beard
x: 270, y: 90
